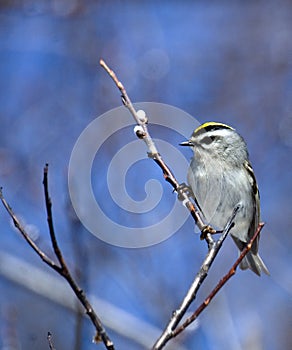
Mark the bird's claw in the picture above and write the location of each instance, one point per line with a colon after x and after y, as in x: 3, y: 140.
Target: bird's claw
x: 183, y: 188
x: 207, y: 229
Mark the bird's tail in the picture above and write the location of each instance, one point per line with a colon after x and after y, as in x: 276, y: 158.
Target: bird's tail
x: 255, y: 263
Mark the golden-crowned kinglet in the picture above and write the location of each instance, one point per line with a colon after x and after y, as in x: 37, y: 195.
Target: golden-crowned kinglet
x: 221, y: 178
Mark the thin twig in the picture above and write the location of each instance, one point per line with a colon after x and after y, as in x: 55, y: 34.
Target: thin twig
x: 50, y: 341
x: 50, y: 218
x: 191, y: 294
x: 101, y: 335
x: 26, y: 236
x: 143, y: 133
x: 220, y: 284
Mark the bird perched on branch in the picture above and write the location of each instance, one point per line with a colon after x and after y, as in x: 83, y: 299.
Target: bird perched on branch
x: 221, y: 178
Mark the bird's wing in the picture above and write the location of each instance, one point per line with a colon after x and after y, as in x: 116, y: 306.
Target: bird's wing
x: 256, y: 203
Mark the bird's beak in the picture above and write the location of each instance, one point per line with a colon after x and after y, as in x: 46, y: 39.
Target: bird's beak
x: 186, y: 143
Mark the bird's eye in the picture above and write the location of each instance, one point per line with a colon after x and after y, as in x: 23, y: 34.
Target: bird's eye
x: 207, y: 140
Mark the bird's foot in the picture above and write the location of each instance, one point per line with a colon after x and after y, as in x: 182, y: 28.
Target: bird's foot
x: 184, y: 188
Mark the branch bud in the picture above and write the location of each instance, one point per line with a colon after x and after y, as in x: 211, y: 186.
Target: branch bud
x: 140, y: 133
x: 142, y: 116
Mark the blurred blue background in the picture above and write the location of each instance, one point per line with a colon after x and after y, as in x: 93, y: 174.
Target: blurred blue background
x: 228, y: 62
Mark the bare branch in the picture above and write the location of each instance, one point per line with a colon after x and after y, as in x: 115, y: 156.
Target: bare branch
x: 143, y: 133
x: 26, y: 236
x: 220, y: 284
x: 50, y: 218
x: 178, y: 314
x: 63, y: 270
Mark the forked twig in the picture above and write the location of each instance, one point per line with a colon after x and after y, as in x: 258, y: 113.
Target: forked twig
x: 220, y: 284
x: 62, y: 269
x: 191, y: 294
x: 172, y: 329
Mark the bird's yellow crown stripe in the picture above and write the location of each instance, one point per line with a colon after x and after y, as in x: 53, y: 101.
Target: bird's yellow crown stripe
x: 211, y: 125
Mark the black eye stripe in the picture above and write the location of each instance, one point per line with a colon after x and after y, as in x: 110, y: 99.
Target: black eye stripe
x: 207, y: 140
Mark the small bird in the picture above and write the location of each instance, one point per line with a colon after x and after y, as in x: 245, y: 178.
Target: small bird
x: 221, y: 178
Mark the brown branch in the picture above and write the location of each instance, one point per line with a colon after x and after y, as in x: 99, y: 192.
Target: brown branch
x: 191, y: 294
x: 220, y: 284
x: 26, y: 236
x: 63, y: 270
x: 101, y: 334
x: 143, y: 133
x: 50, y: 218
